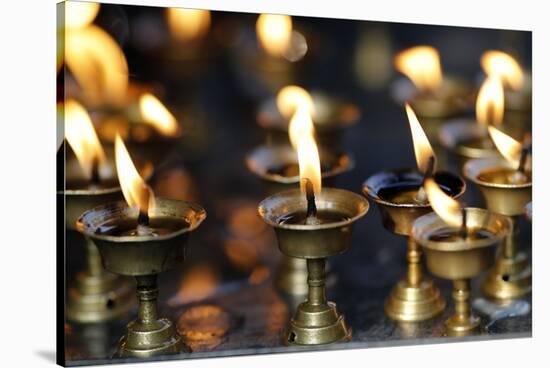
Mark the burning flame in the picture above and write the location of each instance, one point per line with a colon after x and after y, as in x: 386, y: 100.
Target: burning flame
x: 508, y: 147
x: 188, y: 24
x: 157, y: 115
x: 422, y: 66
x: 301, y: 133
x: 490, y: 102
x: 503, y: 66
x: 94, y: 58
x: 274, y: 33
x: 135, y: 190
x: 422, y: 149
x: 82, y: 137
x: 445, y: 207
x: 291, y: 97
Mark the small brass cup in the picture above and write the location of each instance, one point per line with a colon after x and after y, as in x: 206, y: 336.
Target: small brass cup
x: 510, y: 278
x: 460, y: 260
x: 415, y: 297
x: 316, y: 320
x: 144, y: 257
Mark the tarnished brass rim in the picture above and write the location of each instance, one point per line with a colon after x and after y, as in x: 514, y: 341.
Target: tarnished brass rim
x: 421, y: 234
x: 473, y: 168
x: 454, y: 133
x: 117, y: 208
x: 345, y: 163
x: 325, y: 197
x: 372, y: 193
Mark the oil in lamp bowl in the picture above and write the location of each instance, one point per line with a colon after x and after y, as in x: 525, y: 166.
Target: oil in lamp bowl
x: 453, y: 97
x: 278, y: 166
x: 501, y: 195
x: 333, y: 115
x: 394, y: 192
x: 451, y: 256
x: 112, y: 227
x: 415, y: 297
x: 316, y: 321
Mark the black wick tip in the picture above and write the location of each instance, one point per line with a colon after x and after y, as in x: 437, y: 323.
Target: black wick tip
x: 143, y: 218
x: 310, y: 197
x: 464, y: 227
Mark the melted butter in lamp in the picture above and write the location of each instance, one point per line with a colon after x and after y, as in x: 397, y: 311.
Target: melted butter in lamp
x: 455, y: 235
x: 504, y: 176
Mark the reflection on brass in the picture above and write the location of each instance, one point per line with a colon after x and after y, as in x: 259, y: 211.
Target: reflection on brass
x: 510, y: 278
x: 144, y: 257
x: 316, y: 320
x: 415, y: 297
x: 460, y: 259
x: 204, y: 326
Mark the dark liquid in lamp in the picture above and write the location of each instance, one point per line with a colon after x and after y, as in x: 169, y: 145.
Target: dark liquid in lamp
x: 504, y: 176
x: 128, y: 227
x: 450, y: 235
x: 289, y: 170
x: 406, y: 193
x: 299, y: 218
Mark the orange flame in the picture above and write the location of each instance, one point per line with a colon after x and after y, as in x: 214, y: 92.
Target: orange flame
x: 188, y: 24
x: 422, y: 66
x: 446, y: 207
x: 94, y: 58
x: 157, y: 115
x: 490, y: 102
x: 301, y: 133
x: 274, y: 33
x: 503, y: 66
x: 422, y: 149
x: 136, y: 192
x: 508, y: 147
x: 82, y: 137
x: 291, y: 97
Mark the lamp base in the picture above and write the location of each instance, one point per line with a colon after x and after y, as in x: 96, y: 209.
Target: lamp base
x: 316, y: 325
x: 510, y: 278
x: 98, y: 298
x: 151, y: 338
x: 409, y: 303
x: 459, y: 326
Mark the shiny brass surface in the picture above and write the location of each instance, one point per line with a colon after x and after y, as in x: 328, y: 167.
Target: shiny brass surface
x: 460, y: 259
x: 415, y: 297
x: 510, y: 278
x: 316, y: 321
x: 144, y: 257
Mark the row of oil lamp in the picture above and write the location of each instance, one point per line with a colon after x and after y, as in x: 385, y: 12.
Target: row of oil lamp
x: 145, y: 235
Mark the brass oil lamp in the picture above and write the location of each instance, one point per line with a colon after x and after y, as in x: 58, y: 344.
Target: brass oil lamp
x: 506, y: 185
x: 401, y: 200
x: 96, y: 295
x: 313, y: 224
x: 431, y: 94
x: 459, y: 244
x: 331, y: 115
x: 142, y: 239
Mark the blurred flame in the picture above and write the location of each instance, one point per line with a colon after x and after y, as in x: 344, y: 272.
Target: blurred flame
x: 301, y: 133
x: 188, y: 24
x: 274, y: 33
x: 80, y: 14
x: 422, y: 66
x: 291, y: 97
x: 94, y: 58
x: 82, y: 137
x: 198, y: 283
x: 508, y: 147
x: 157, y: 115
x: 503, y: 66
x: 446, y: 207
x: 135, y: 190
x: 490, y: 102
x: 422, y: 148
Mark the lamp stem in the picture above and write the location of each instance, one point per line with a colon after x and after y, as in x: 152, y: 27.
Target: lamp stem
x: 316, y: 281
x: 147, y: 292
x: 461, y: 296
x: 93, y: 259
x: 414, y: 256
x: 511, y: 241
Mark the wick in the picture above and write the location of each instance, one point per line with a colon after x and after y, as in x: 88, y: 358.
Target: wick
x: 95, y: 171
x: 421, y: 195
x: 525, y: 152
x: 490, y: 113
x: 143, y: 216
x: 311, y: 214
x: 464, y: 227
